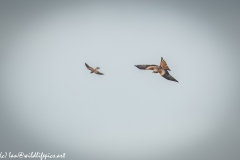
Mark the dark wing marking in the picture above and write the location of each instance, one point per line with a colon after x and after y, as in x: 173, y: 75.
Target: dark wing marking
x: 88, y: 67
x: 164, y: 65
x: 148, y: 67
x: 99, y: 73
x: 169, y: 77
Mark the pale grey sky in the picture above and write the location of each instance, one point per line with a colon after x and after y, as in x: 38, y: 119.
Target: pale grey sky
x: 50, y: 102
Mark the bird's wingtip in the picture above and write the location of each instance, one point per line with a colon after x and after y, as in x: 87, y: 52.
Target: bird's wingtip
x: 137, y: 66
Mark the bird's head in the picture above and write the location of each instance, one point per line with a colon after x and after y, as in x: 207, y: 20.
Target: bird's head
x: 98, y: 68
x: 155, y: 71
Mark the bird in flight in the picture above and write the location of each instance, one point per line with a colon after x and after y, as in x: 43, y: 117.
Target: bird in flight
x: 162, y: 69
x: 93, y: 70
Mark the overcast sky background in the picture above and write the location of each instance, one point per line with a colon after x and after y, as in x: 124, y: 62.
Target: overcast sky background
x: 51, y: 103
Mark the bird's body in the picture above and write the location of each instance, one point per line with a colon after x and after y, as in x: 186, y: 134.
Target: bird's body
x: 162, y: 69
x: 93, y: 70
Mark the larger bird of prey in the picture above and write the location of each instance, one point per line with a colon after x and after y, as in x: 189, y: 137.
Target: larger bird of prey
x: 162, y: 69
x: 93, y: 70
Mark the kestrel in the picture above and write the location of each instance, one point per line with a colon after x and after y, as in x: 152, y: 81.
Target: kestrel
x: 93, y: 70
x: 162, y: 69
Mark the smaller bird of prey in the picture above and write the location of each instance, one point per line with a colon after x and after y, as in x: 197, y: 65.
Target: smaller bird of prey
x: 93, y: 70
x: 162, y: 69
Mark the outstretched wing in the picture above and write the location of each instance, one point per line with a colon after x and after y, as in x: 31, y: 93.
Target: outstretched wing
x: 88, y: 67
x: 169, y: 77
x: 164, y: 65
x: 146, y: 67
x: 99, y: 73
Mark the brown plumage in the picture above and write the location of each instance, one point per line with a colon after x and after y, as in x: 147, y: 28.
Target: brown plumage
x: 153, y: 67
x: 164, y: 73
x: 162, y: 69
x: 93, y: 70
x: 164, y: 65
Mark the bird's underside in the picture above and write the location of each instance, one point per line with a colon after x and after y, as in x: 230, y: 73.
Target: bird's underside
x: 162, y: 69
x: 93, y: 70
